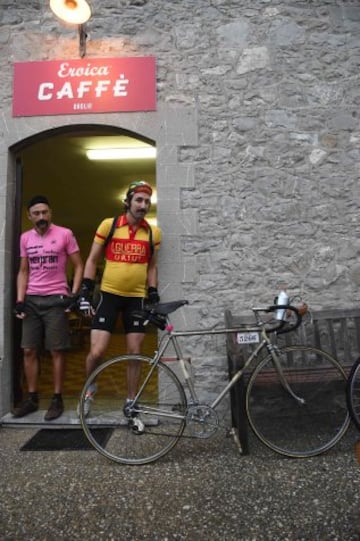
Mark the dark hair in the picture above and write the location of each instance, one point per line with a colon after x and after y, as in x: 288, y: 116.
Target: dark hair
x: 36, y: 200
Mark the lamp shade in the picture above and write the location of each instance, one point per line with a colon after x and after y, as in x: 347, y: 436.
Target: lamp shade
x: 71, y: 11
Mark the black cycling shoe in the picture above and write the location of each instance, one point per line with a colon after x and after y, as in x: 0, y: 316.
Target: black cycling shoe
x: 27, y: 406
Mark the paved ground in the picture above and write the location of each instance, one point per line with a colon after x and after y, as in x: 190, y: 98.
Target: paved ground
x: 202, y: 490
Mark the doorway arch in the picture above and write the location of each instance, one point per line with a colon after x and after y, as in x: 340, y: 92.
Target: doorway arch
x: 81, y: 193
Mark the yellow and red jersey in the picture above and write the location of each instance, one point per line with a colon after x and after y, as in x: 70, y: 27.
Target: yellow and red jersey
x: 127, y: 256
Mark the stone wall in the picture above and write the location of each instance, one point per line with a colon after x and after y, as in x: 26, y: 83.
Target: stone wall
x: 265, y: 189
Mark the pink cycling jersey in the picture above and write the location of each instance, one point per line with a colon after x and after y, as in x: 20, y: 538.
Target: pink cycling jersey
x: 47, y: 257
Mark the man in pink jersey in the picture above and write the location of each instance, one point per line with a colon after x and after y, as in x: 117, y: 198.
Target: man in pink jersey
x: 43, y: 296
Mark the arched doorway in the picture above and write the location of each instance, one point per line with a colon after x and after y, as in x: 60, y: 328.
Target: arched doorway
x: 81, y: 193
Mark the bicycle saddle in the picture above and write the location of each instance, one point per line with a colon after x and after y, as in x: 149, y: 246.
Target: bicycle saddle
x: 156, y: 313
x: 165, y: 308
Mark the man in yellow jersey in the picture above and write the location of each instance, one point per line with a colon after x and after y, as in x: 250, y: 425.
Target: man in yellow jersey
x: 130, y: 275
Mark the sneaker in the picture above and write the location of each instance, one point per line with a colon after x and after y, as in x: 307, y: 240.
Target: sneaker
x: 27, y: 406
x: 89, y: 397
x: 56, y: 408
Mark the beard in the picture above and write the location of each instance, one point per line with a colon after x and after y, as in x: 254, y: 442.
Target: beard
x: 42, y: 223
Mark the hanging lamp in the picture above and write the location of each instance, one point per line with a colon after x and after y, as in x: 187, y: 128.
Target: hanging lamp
x: 74, y: 12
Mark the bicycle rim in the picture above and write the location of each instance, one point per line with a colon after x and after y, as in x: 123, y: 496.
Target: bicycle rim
x: 161, y: 406
x: 282, y: 422
x: 353, y: 393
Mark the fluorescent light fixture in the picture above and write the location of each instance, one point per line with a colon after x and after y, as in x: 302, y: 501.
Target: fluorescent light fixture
x: 130, y: 153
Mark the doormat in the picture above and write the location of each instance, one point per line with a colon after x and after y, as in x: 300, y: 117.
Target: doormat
x: 65, y: 439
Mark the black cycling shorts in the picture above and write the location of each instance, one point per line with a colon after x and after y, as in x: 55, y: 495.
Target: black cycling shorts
x: 109, y: 308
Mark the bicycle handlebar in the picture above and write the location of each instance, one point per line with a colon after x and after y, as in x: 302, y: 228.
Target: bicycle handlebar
x: 284, y: 325
x: 157, y: 315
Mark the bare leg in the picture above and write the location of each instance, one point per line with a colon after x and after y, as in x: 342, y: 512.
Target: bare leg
x: 31, y: 369
x: 99, y: 341
x: 134, y: 343
x: 58, y: 358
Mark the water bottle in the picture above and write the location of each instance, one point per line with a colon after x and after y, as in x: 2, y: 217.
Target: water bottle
x: 282, y: 299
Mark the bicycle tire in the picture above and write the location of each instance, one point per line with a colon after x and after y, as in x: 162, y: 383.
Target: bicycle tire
x: 164, y: 425
x: 353, y: 393
x: 280, y: 421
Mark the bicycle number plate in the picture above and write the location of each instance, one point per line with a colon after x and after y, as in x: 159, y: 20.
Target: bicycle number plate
x: 247, y: 338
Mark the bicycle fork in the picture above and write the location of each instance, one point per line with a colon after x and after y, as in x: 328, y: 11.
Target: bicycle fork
x: 274, y: 352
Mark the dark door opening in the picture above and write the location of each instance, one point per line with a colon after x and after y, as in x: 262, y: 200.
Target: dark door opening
x: 81, y: 193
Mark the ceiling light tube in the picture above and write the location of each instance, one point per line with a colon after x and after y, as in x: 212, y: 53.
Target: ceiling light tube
x: 121, y: 153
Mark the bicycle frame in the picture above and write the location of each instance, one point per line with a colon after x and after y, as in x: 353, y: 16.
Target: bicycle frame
x: 165, y: 404
x: 172, y: 336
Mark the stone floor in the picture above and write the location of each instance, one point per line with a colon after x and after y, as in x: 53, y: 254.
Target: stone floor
x: 203, y: 490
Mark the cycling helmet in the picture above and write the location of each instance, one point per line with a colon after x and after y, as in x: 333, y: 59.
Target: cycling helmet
x: 138, y: 186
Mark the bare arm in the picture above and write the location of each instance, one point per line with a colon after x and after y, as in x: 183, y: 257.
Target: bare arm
x: 21, y: 283
x: 78, y: 265
x: 22, y: 279
x: 152, y: 274
x: 96, y: 252
x: 87, y: 286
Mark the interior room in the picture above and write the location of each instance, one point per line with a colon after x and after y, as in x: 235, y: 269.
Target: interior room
x: 82, y: 191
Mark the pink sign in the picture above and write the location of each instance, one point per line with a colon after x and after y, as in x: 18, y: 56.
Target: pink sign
x: 97, y: 85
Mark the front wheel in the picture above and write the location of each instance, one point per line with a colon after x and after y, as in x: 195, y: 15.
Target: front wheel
x: 161, y: 409
x: 307, y: 418
x: 353, y: 393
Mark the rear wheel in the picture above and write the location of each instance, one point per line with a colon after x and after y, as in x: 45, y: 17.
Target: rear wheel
x: 353, y: 393
x: 161, y: 408
x: 309, y: 423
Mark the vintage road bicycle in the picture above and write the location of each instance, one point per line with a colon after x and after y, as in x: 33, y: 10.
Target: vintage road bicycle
x: 295, y: 395
x: 353, y: 393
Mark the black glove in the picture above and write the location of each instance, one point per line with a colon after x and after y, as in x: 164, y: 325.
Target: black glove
x: 153, y: 295
x: 85, y: 296
x: 70, y: 302
x: 19, y: 308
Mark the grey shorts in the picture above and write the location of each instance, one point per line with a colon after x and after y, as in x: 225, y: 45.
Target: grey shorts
x: 46, y: 326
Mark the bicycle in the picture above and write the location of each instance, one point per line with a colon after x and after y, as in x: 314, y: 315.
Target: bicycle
x: 353, y: 393
x: 295, y: 398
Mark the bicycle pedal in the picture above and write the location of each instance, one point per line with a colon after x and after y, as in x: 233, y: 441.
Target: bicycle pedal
x: 136, y: 425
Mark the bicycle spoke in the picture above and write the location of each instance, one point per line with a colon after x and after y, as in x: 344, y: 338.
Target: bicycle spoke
x: 295, y: 427
x: 161, y: 408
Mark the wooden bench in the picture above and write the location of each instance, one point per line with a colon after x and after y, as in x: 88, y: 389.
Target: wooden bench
x: 336, y: 331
